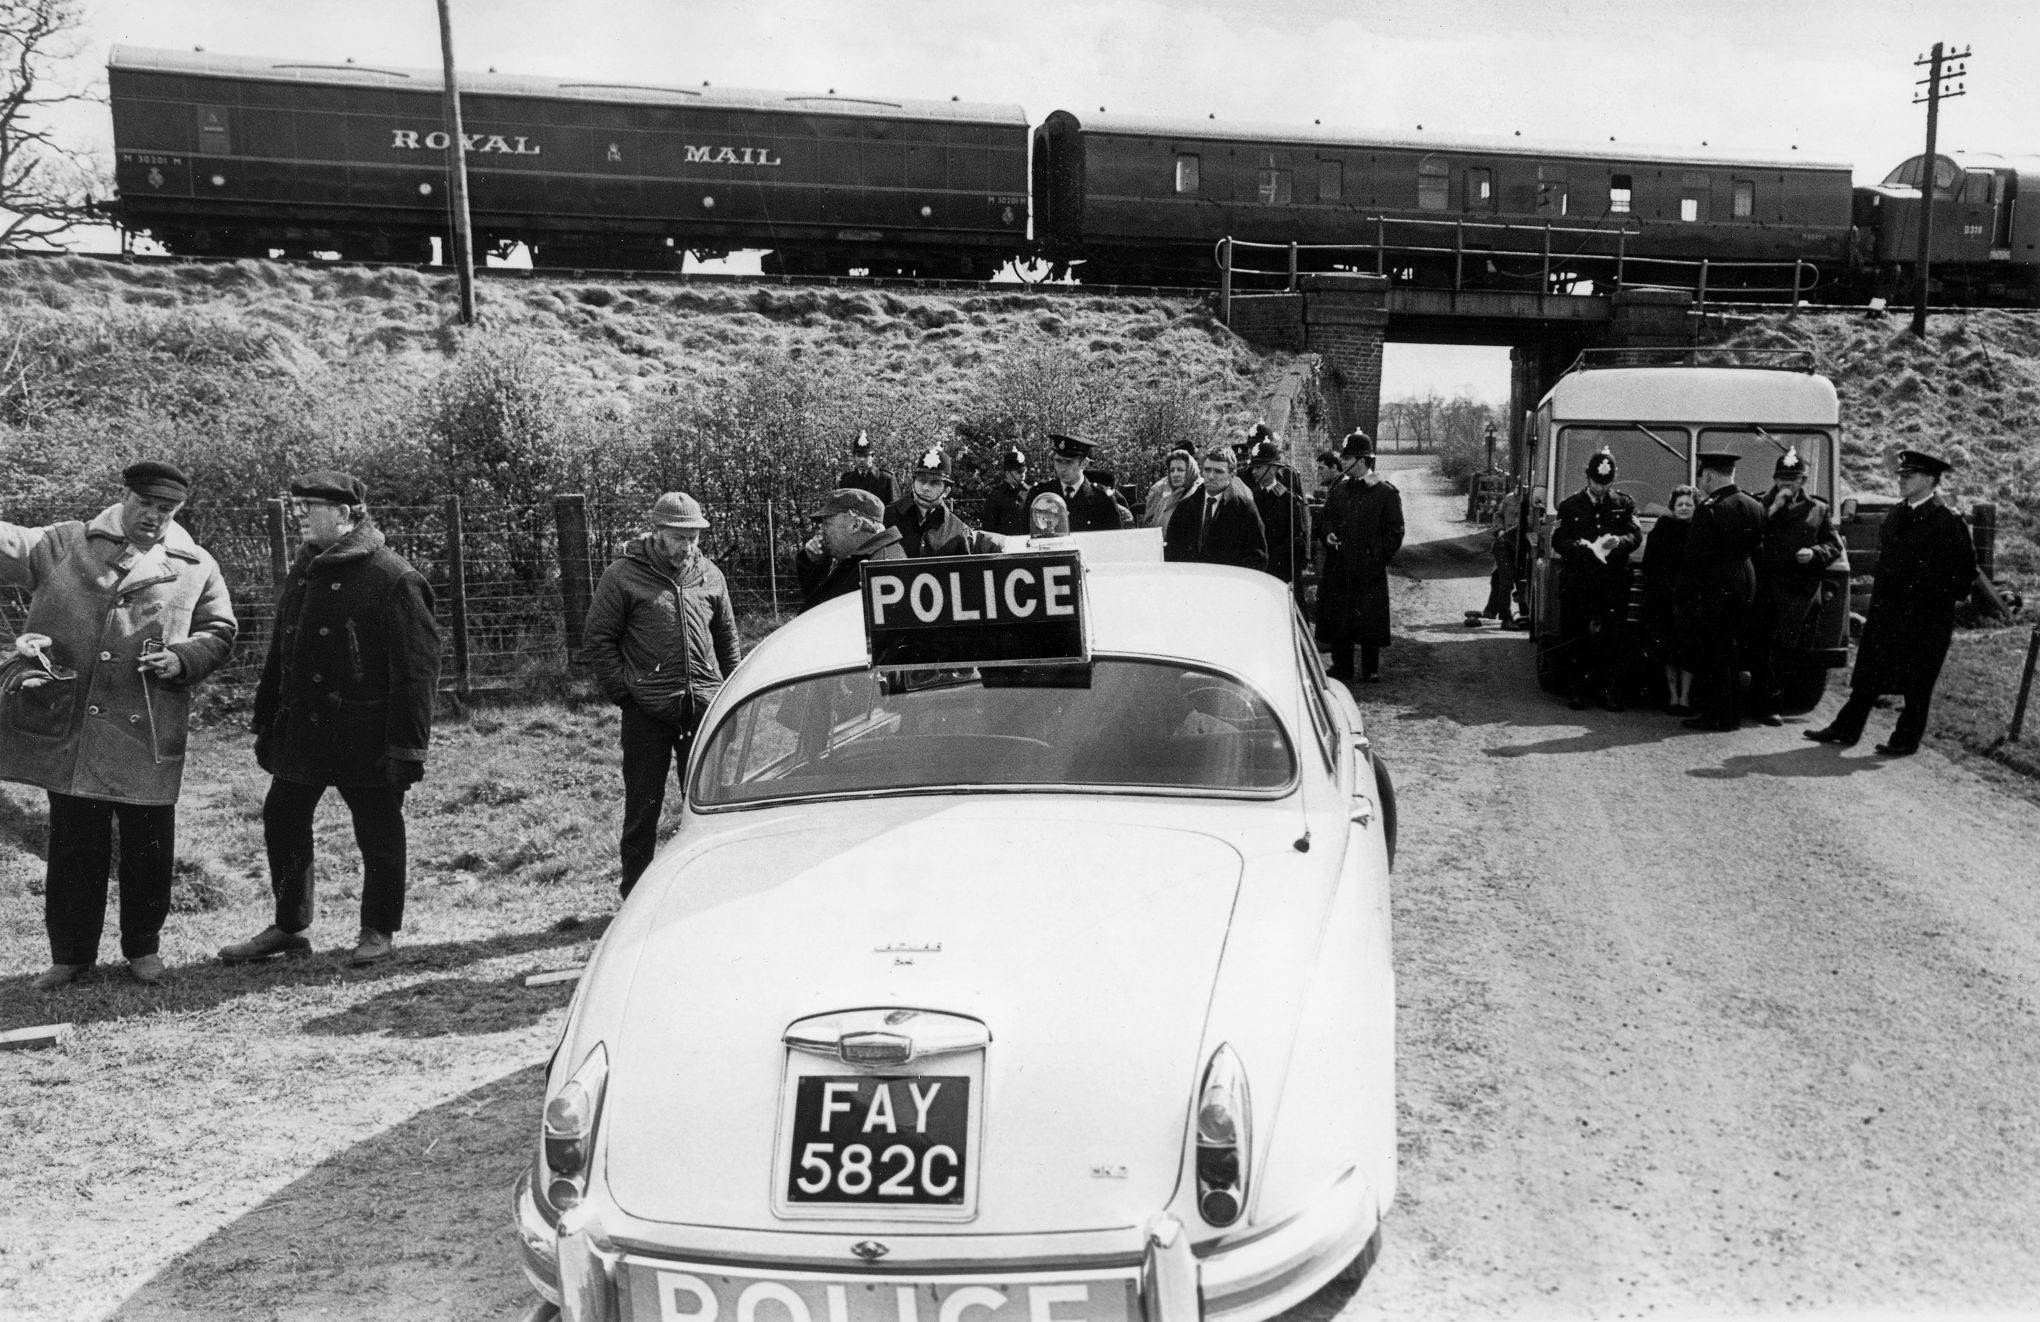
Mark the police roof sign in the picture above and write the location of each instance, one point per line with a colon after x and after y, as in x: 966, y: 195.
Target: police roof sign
x: 1023, y: 609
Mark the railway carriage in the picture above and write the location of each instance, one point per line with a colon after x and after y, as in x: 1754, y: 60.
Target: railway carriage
x: 1123, y: 197
x: 244, y: 157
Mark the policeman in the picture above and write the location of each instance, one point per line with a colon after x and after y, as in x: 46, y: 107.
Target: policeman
x: 863, y: 474
x: 1284, y: 516
x: 1006, y: 504
x: 926, y: 524
x: 1363, y: 532
x: 1926, y: 563
x: 1090, y: 509
x: 1800, y: 542
x: 1597, y: 533
x: 1717, y: 581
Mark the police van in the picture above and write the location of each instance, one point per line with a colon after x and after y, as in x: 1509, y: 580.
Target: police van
x: 1654, y: 420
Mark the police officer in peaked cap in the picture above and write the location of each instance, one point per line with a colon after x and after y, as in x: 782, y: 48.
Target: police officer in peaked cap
x: 1090, y: 509
x: 1717, y: 581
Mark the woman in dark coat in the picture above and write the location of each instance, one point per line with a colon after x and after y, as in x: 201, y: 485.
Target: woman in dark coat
x: 1662, y: 552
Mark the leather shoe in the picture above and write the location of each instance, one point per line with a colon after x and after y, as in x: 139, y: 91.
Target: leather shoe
x: 1827, y: 734
x: 1898, y: 750
x: 146, y: 968
x: 1771, y: 719
x: 58, y: 975
x: 372, y: 947
x: 267, y: 944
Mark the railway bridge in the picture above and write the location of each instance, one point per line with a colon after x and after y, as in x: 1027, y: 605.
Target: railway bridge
x: 1347, y: 318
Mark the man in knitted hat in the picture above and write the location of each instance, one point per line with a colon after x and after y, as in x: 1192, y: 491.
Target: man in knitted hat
x: 661, y: 637
x: 1597, y: 532
x: 126, y: 615
x: 1926, y: 563
x: 1800, y: 543
x: 345, y: 703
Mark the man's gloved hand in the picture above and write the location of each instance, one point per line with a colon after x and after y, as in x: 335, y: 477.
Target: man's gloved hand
x: 400, y: 773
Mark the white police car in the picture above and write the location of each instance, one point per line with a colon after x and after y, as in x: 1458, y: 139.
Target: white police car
x: 1023, y: 956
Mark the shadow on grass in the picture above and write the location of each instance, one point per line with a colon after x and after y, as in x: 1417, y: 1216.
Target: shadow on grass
x: 414, y: 1222
x: 108, y: 992
x: 445, y: 1007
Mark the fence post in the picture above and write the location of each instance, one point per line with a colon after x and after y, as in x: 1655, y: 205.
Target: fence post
x: 570, y: 521
x: 456, y: 595
x: 1701, y: 301
x: 2025, y: 687
x: 1458, y: 255
x: 1795, y: 284
x: 772, y: 555
x: 279, y: 549
x: 1225, y: 280
x: 1380, y: 245
x: 1544, y: 285
x: 1621, y: 253
x: 1292, y: 266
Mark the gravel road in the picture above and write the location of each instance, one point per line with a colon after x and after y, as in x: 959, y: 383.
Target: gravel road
x: 1691, y: 1023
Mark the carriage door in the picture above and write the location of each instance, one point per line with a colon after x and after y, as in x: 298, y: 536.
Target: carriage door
x: 1975, y: 223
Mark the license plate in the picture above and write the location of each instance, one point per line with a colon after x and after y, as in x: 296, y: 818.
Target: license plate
x: 656, y: 1293
x: 874, y: 1141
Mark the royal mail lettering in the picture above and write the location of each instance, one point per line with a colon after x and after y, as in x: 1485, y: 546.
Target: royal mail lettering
x: 975, y: 610
x: 437, y: 140
x: 714, y: 155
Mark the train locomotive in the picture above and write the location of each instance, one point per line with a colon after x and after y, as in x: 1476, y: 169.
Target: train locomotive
x: 231, y: 156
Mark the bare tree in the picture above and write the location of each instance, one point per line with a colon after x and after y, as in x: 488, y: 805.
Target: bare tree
x: 43, y: 184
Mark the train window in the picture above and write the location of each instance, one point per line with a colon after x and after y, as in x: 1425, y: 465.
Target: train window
x: 1274, y: 187
x: 1186, y: 174
x: 1434, y: 184
x: 1976, y: 186
x: 1620, y: 191
x: 1551, y: 198
x: 1745, y: 198
x: 1331, y: 180
x: 1692, y: 195
x: 1689, y: 208
x: 1480, y: 189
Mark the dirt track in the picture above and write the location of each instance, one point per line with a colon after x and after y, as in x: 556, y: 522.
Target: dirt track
x: 1716, y: 1023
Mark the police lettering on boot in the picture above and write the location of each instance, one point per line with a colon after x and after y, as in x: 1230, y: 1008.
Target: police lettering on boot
x: 1024, y: 609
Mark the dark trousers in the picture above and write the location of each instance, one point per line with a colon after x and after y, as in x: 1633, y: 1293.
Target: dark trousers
x: 1716, y: 664
x: 1912, y: 722
x: 378, y: 814
x: 1596, y: 643
x: 651, y: 748
x: 74, y: 887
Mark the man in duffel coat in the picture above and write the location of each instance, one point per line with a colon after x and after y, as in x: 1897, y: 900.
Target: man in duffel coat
x: 1800, y: 542
x: 126, y: 615
x: 1363, y: 532
x: 1597, y: 532
x: 1926, y: 564
x: 1217, y: 523
x: 345, y: 703
x: 661, y: 638
x: 1717, y: 581
x: 927, y: 525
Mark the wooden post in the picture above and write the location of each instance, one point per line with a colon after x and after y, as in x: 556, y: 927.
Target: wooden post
x: 1292, y: 266
x: 772, y: 555
x: 456, y: 595
x: 456, y: 160
x: 570, y: 521
x: 1225, y: 280
x: 279, y: 547
x: 1795, y: 284
x: 1701, y: 301
x: 1380, y: 246
x: 1458, y: 255
x: 1621, y: 253
x: 1544, y: 285
x: 2025, y: 687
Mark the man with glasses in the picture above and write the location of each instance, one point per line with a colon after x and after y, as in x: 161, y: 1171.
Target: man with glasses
x: 1217, y: 523
x: 345, y: 703
x: 126, y: 615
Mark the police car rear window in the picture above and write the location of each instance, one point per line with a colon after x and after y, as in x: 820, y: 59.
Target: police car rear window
x: 1125, y: 724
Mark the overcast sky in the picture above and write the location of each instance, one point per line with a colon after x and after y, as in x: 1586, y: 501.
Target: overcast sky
x: 1831, y: 78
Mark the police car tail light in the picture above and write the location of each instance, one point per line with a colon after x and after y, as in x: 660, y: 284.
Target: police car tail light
x: 1223, y: 1140
x: 570, y: 1130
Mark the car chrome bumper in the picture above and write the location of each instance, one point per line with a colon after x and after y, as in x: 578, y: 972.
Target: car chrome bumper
x: 575, y: 1265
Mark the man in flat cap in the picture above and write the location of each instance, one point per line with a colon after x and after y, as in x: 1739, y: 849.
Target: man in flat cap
x: 863, y: 472
x: 126, y: 615
x: 1006, y: 503
x: 926, y: 524
x: 1217, y: 524
x: 1800, y: 543
x: 1091, y: 510
x: 849, y: 529
x: 1717, y: 581
x: 1597, y: 532
x: 345, y: 703
x: 661, y: 637
x: 1926, y: 564
x: 1363, y: 532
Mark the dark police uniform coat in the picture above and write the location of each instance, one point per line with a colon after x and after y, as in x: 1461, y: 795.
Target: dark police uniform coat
x: 1789, y: 594
x: 1926, y: 563
x: 1091, y: 509
x: 1717, y: 581
x: 1353, y: 601
x: 877, y: 483
x: 1591, y: 586
x: 352, y: 666
x: 1006, y: 509
x: 1231, y: 536
x: 939, y: 532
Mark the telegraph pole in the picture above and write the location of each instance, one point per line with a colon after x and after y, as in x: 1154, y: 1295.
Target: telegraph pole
x: 456, y: 155
x: 1938, y: 69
